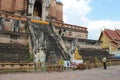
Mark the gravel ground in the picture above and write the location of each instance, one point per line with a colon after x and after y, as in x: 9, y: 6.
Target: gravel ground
x: 111, y: 73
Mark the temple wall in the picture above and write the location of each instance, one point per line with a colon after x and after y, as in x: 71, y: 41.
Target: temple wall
x: 7, y: 5
x: 9, y: 40
x: 20, y: 6
x: 107, y: 44
x: 87, y: 45
x: 59, y: 11
x: 55, y: 11
x: 7, y: 26
x: 75, y: 34
x: 13, y: 5
x: 52, y: 9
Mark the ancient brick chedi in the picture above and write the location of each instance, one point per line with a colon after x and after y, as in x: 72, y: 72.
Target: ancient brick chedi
x: 13, y: 5
x: 24, y: 7
x: 19, y: 35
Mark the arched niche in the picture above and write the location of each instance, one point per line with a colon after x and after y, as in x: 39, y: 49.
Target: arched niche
x: 38, y: 8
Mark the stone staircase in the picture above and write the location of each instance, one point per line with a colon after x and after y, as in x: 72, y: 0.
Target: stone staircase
x: 50, y: 40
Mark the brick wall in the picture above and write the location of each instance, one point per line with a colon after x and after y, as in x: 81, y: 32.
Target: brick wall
x: 56, y: 10
x: 12, y: 5
x: 7, y: 5
x: 52, y: 9
x: 19, y: 5
x: 8, y: 40
x: 59, y: 11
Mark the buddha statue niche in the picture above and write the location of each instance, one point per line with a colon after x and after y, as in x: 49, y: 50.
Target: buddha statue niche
x: 77, y: 56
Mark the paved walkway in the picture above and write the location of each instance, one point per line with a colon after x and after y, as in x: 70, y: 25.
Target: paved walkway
x: 112, y: 73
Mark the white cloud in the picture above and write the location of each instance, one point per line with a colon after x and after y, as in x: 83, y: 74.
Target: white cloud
x: 95, y: 27
x: 76, y: 11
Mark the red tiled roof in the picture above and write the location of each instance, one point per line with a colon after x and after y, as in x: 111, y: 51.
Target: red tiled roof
x: 118, y: 31
x: 117, y: 42
x: 112, y: 34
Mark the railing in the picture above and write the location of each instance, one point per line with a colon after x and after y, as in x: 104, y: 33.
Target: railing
x: 114, y: 62
x: 69, y: 26
x: 32, y: 35
x: 30, y: 67
x: 84, y: 45
x: 15, y: 67
x: 59, y: 40
x: 110, y: 62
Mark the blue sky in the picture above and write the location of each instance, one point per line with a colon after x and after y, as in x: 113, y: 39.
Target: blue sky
x: 96, y: 15
x: 105, y: 9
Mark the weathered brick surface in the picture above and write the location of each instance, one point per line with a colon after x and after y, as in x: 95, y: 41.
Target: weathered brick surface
x: 19, y: 5
x: 12, y: 5
x: 59, y: 12
x: 52, y: 9
x: 7, y: 5
x: 55, y: 9
x: 7, y: 26
x: 8, y: 40
x: 112, y: 73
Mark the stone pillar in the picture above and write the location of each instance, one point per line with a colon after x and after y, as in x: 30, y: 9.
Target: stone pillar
x: 45, y: 5
x: 31, y: 7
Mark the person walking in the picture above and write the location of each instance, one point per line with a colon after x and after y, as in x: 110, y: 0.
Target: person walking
x: 36, y: 60
x: 42, y: 58
x: 104, y: 62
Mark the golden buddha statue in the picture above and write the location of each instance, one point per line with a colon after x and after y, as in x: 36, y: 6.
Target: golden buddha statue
x: 77, y: 56
x: 35, y: 13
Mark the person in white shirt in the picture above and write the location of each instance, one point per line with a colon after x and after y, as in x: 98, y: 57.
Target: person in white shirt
x: 36, y: 59
x: 42, y: 58
x: 104, y: 62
